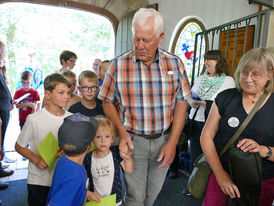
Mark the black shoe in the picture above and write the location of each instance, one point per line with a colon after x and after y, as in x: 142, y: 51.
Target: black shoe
x: 3, y: 185
x: 6, y: 173
x: 173, y: 174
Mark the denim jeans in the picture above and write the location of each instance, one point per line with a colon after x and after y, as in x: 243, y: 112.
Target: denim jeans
x: 146, y: 181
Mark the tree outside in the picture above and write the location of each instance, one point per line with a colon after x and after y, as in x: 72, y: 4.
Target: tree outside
x: 47, y: 31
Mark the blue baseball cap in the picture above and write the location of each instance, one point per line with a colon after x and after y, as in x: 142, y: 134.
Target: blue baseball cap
x: 78, y: 131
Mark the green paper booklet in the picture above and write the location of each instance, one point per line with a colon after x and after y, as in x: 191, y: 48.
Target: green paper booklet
x: 105, y: 201
x: 48, y: 149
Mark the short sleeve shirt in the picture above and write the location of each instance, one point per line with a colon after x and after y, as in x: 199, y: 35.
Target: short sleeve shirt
x: 145, y: 95
x: 68, y: 184
x: 33, y: 97
x: 260, y: 128
x: 79, y: 107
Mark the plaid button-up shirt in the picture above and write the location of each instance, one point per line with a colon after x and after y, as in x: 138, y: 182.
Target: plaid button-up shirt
x: 145, y: 96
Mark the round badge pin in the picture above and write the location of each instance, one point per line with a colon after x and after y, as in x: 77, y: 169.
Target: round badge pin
x: 233, y: 122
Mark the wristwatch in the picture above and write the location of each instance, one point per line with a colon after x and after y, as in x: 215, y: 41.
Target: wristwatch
x: 269, y: 152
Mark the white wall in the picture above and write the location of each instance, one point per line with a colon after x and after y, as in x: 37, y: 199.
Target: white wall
x: 212, y: 12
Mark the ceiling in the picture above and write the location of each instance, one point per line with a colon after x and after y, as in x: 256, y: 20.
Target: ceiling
x: 114, y: 10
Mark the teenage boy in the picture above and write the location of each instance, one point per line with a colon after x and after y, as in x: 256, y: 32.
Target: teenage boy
x: 67, y: 60
x: 88, y: 106
x: 74, y: 136
x: 36, y: 128
x: 29, y: 104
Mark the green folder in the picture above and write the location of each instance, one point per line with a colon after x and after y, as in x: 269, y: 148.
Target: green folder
x: 48, y: 149
x: 105, y: 201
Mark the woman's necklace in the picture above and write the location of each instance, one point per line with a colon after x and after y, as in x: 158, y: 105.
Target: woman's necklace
x: 253, y: 100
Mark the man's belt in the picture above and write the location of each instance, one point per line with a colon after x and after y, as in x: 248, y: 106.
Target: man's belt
x: 153, y: 136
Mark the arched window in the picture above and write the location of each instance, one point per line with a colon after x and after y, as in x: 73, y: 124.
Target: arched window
x: 183, y: 43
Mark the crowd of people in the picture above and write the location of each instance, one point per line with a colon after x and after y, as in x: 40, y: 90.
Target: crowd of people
x: 141, y: 99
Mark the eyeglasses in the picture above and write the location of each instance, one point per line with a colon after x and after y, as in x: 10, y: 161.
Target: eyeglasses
x: 26, y: 82
x: 72, y: 61
x: 254, y: 75
x: 92, y: 88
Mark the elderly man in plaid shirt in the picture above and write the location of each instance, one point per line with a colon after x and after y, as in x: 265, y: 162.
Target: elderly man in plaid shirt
x: 144, y: 94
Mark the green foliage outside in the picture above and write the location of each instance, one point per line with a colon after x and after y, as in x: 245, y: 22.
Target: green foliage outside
x: 47, y: 31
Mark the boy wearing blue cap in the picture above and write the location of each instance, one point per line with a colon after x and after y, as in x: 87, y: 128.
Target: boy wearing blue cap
x: 70, y: 178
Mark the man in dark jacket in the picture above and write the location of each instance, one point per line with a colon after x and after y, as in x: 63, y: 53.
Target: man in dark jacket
x: 5, y: 103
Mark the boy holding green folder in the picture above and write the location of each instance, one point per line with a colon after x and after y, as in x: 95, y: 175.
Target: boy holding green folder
x: 37, y: 127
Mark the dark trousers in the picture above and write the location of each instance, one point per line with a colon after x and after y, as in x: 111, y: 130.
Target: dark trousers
x: 37, y: 195
x: 195, y: 145
x: 176, y: 162
x: 5, y: 116
x: 21, y: 124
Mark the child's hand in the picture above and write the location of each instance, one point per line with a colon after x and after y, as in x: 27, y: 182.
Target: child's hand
x: 124, y: 152
x: 60, y: 152
x: 40, y: 163
x: 91, y: 196
x: 31, y: 105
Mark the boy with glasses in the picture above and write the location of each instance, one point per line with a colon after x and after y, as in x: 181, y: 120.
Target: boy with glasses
x: 27, y: 105
x: 88, y: 87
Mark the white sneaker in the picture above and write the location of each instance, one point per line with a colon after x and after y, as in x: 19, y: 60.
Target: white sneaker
x: 8, y: 160
x: 5, y: 166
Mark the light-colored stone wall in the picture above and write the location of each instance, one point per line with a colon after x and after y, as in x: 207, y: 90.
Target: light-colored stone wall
x: 211, y: 12
x: 270, y: 39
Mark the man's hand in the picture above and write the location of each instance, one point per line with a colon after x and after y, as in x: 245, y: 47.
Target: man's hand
x: 166, y: 155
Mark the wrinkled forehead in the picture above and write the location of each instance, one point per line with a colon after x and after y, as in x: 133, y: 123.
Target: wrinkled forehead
x: 255, y: 67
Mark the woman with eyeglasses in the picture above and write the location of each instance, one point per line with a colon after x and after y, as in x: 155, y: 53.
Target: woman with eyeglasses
x: 254, y: 76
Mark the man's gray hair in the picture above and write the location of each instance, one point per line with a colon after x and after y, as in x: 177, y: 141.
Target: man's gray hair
x: 141, y: 17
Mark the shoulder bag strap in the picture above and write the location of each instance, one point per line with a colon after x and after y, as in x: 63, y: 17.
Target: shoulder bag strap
x: 245, y: 123
x: 193, y: 118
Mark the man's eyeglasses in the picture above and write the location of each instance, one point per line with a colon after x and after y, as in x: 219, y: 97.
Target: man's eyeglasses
x: 72, y: 61
x: 92, y: 88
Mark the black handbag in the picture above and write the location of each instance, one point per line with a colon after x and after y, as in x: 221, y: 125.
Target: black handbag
x: 198, y: 180
x: 245, y: 170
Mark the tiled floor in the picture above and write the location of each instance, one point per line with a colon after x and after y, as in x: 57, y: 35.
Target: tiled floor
x: 19, y: 167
